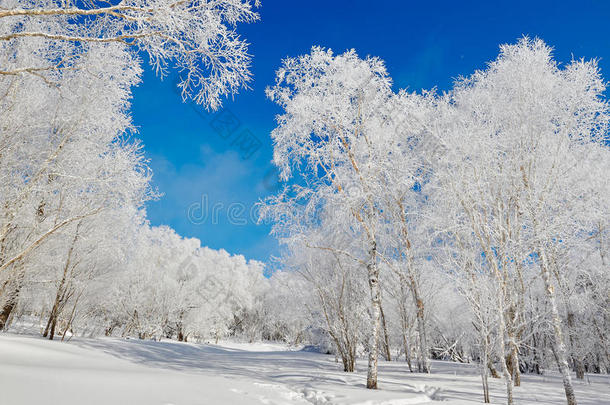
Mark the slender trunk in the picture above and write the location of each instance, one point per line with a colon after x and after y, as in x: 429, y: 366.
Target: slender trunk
x: 423, y: 364
x: 72, y: 315
x: 52, y: 316
x: 348, y: 363
x: 386, y: 338
x: 9, y: 305
x: 492, y: 369
x: 405, y: 342
x: 404, y: 324
x: 373, y: 274
x: 602, y: 338
x: 536, y: 362
x: 61, y: 290
x: 558, y: 344
x: 515, y: 365
x: 501, y: 340
x: 512, y: 360
x: 179, y: 327
x: 580, y: 368
x: 485, y: 385
x: 507, y: 375
x: 483, y: 367
x: 509, y: 363
x: 484, y: 347
x: 351, y: 356
x: 53, y: 326
x: 50, y: 328
x: 14, y: 287
x: 6, y: 311
x: 407, y: 351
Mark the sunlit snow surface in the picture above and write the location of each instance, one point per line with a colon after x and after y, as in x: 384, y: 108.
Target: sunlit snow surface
x: 113, y: 371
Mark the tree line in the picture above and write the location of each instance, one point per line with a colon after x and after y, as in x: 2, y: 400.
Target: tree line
x: 492, y: 196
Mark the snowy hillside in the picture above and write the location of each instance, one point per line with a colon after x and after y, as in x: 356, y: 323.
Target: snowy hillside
x: 116, y: 371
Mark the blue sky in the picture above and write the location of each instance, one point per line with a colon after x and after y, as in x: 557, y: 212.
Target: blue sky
x: 424, y: 45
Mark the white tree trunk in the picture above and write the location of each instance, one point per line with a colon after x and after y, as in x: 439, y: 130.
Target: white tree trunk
x: 558, y: 344
x: 423, y: 363
x: 373, y: 273
x: 483, y: 366
x: 502, y: 347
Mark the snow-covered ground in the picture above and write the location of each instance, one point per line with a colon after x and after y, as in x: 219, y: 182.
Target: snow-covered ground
x: 132, y: 372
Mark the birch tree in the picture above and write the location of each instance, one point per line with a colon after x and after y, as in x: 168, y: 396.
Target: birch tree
x: 328, y: 132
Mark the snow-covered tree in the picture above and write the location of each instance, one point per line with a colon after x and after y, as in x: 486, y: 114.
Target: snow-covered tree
x: 524, y: 149
x: 198, y: 38
x: 66, y: 164
x: 331, y: 125
x: 339, y: 292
